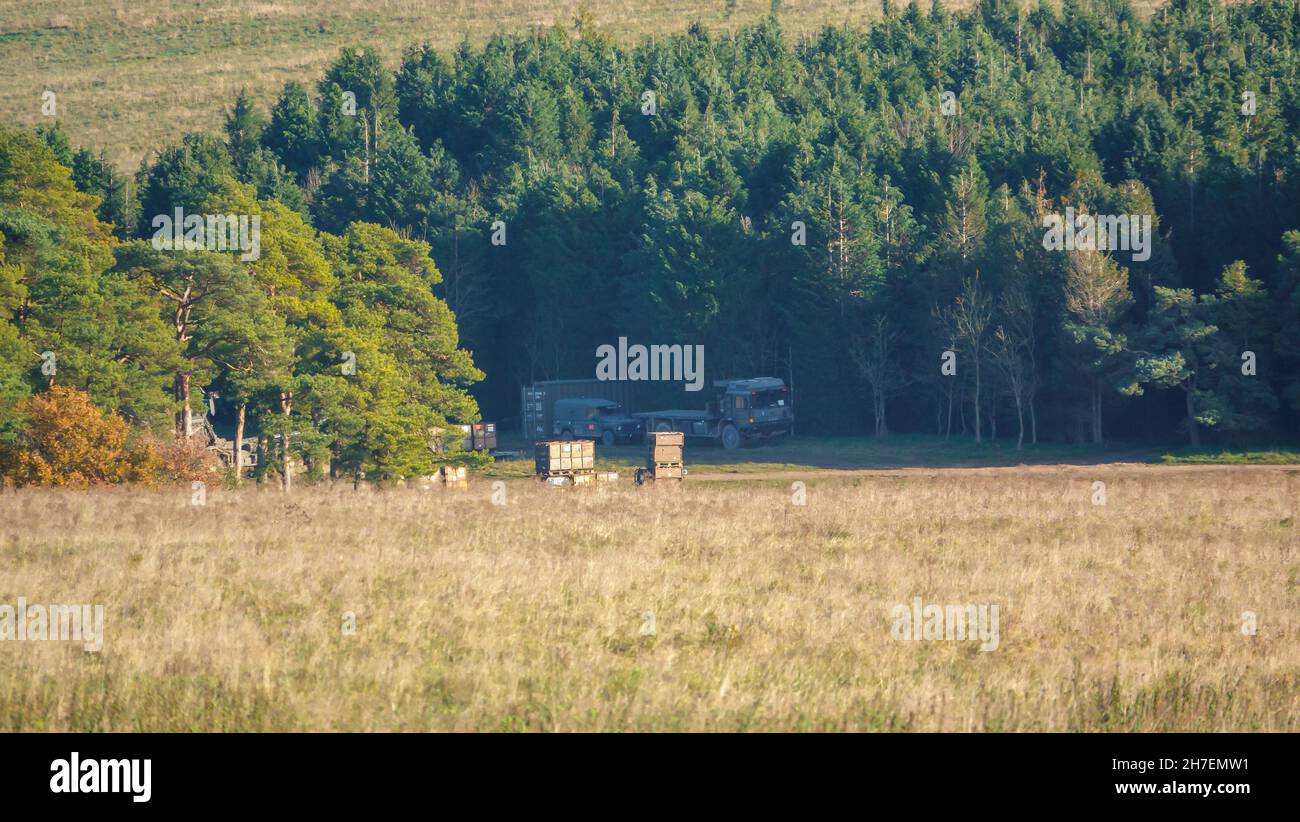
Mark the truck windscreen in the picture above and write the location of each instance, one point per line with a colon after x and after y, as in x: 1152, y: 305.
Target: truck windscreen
x: 769, y: 399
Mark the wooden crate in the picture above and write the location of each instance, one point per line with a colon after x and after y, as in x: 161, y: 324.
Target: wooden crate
x: 453, y: 476
x: 579, y: 455
x: 665, y: 454
x: 663, y: 457
x: 665, y: 447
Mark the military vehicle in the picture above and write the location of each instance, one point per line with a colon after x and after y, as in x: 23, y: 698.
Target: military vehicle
x: 744, y: 411
x: 225, y: 449
x: 595, y: 419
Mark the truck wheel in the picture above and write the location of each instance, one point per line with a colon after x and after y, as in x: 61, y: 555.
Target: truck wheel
x: 607, y: 439
x: 730, y: 437
x: 566, y: 435
x: 663, y: 426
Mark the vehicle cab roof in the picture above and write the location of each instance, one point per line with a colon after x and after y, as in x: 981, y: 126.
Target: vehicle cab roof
x: 751, y: 384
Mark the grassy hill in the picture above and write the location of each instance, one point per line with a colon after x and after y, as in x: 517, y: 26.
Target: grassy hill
x: 130, y: 77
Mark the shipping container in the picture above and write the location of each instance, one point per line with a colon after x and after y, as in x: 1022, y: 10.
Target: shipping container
x: 537, y: 401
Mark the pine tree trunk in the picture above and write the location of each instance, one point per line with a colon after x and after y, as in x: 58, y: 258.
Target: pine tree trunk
x: 1096, y: 411
x: 286, y: 405
x: 1193, y: 431
x: 238, y: 459
x: 263, y: 452
x: 184, y: 418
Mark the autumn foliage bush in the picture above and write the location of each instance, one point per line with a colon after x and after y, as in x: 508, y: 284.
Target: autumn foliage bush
x: 67, y: 440
x: 171, y: 460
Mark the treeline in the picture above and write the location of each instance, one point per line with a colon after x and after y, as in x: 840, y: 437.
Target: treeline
x: 659, y: 192
x: 331, y: 349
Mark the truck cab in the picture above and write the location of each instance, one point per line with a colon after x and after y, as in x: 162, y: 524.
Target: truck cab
x: 758, y: 408
x: 595, y: 419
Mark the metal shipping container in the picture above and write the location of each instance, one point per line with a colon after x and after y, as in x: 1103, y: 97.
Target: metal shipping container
x: 537, y: 401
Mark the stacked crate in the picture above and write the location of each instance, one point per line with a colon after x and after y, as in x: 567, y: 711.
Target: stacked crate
x: 664, y: 457
x: 484, y: 436
x: 481, y: 436
x: 453, y: 476
x: 566, y: 463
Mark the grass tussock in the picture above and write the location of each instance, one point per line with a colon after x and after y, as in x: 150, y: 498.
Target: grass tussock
x: 766, y: 615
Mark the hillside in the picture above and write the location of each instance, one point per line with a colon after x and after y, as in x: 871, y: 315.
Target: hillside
x: 132, y: 77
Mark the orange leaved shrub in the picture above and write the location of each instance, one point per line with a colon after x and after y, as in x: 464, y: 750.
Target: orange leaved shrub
x: 66, y: 440
x: 173, y: 460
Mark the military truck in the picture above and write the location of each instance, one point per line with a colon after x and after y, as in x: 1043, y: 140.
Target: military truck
x: 225, y: 449
x: 743, y: 411
x: 595, y: 419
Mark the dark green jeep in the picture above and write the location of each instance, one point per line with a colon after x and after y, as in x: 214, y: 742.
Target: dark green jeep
x: 591, y: 419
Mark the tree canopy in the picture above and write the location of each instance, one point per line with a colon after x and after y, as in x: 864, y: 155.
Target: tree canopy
x: 838, y: 210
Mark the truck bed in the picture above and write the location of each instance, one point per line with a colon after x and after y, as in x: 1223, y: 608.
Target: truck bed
x: 675, y: 414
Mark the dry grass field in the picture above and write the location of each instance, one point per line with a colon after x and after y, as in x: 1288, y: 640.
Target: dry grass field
x: 767, y: 615
x: 132, y: 77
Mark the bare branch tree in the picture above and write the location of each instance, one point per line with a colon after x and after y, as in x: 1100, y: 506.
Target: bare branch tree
x: 874, y: 356
x: 1012, y: 351
x: 969, y: 318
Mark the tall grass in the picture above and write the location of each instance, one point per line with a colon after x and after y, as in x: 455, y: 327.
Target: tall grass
x: 767, y: 615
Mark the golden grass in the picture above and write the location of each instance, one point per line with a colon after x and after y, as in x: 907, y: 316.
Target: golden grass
x: 132, y: 77
x: 769, y: 616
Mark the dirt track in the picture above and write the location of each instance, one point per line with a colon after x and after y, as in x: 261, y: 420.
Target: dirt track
x: 1066, y: 469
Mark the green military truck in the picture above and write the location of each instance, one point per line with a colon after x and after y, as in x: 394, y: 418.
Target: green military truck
x: 595, y: 419
x: 744, y: 411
